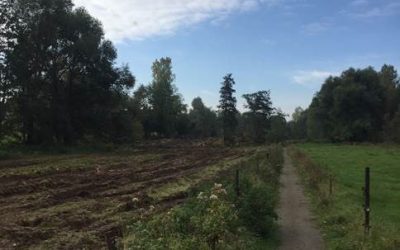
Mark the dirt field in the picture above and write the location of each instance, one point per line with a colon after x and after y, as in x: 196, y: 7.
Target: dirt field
x: 71, y: 201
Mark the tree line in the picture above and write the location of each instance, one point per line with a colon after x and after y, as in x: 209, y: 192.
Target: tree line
x: 360, y: 105
x: 59, y: 84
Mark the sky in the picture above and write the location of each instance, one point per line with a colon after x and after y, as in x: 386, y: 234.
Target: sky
x: 286, y: 46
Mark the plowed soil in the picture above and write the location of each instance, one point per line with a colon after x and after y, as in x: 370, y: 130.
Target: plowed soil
x: 78, y: 201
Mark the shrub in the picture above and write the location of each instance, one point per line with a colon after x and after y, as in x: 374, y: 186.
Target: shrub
x: 256, y: 210
x: 205, y: 222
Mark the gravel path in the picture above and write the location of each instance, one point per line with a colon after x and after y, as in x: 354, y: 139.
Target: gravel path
x: 298, y: 231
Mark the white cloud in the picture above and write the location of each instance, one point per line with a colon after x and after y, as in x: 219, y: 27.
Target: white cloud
x: 364, y: 10
x: 357, y: 3
x: 140, y: 19
x: 316, y: 27
x: 311, y: 78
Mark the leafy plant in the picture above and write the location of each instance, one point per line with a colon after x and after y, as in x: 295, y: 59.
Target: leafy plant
x: 257, y: 210
x: 205, y: 222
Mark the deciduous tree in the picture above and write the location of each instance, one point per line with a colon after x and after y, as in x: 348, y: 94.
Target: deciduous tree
x: 260, y: 106
x: 166, y: 104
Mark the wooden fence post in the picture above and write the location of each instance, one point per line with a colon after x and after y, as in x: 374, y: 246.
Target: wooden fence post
x: 367, y: 201
x: 111, y: 238
x: 237, y: 184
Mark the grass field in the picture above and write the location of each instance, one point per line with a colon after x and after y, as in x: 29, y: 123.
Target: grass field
x: 341, y: 216
x: 70, y: 201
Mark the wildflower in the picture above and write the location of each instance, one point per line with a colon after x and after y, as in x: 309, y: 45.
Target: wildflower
x: 213, y: 197
x: 200, y: 196
x: 217, y: 186
x: 152, y: 208
x: 135, y: 200
x: 221, y: 191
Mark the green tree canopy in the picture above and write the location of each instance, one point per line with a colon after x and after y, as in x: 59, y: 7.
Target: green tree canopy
x: 203, y: 119
x: 359, y: 105
x: 65, y: 85
x: 165, y: 102
x: 260, y: 106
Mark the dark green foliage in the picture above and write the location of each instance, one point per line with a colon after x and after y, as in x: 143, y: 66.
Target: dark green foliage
x: 256, y: 209
x: 164, y: 101
x: 65, y: 87
x: 227, y: 106
x: 7, y: 33
x: 357, y: 106
x: 259, y: 103
x: 360, y: 105
x: 159, y: 106
x: 389, y: 80
x: 278, y: 131
x: 203, y: 120
x: 259, y: 184
x: 392, y: 129
x: 182, y: 125
x: 298, y: 126
x: 141, y: 109
x: 260, y: 106
x: 59, y: 85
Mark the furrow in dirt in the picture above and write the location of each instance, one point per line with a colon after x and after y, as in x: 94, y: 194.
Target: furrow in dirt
x: 58, y: 206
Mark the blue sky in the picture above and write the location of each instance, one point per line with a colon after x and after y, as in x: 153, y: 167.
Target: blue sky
x: 287, y: 46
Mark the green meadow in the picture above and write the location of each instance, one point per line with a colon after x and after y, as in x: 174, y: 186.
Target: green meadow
x: 341, y: 217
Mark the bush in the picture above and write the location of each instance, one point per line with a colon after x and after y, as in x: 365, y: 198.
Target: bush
x: 256, y: 210
x: 205, y: 222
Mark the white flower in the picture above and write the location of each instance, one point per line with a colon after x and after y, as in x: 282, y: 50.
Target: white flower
x: 221, y: 191
x: 217, y: 186
x: 135, y: 200
x: 213, y: 197
x: 200, y: 195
